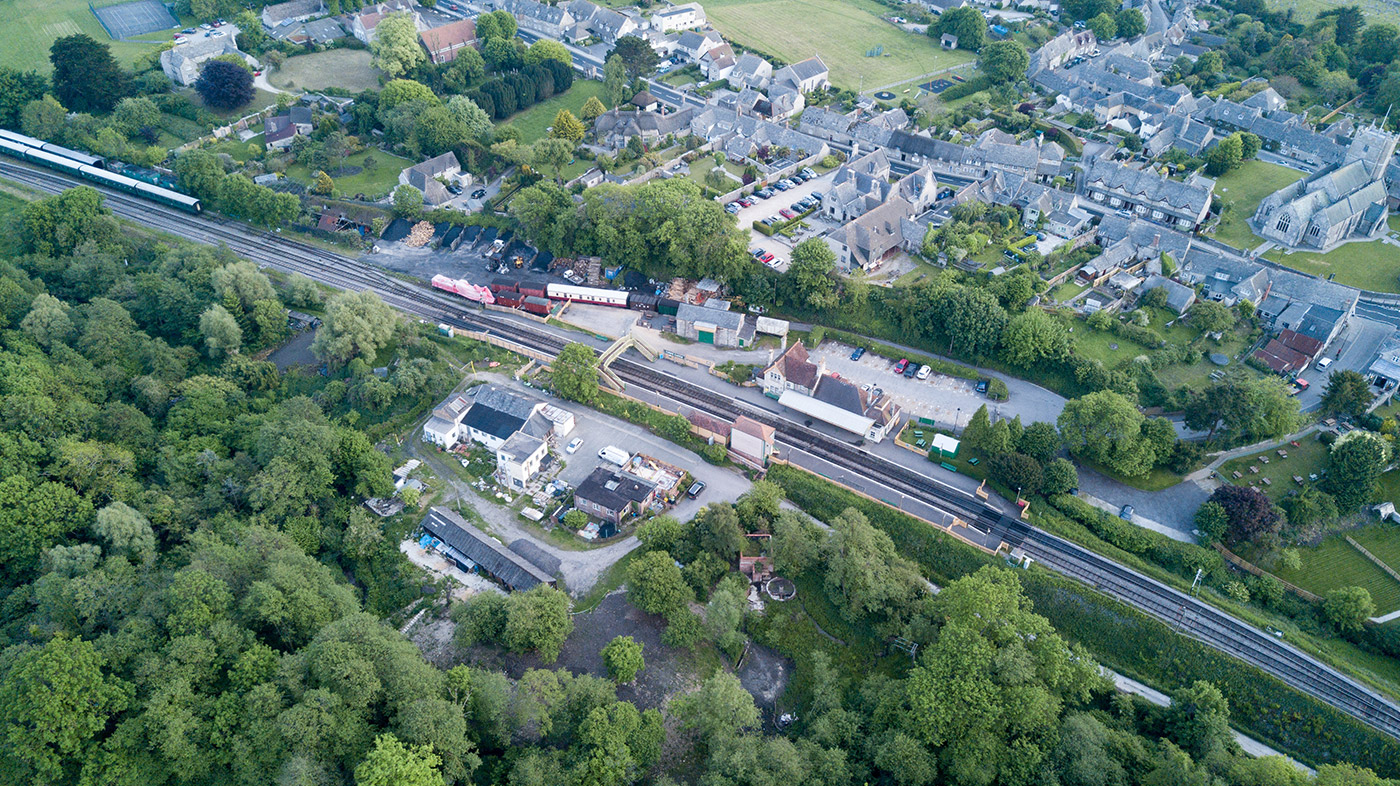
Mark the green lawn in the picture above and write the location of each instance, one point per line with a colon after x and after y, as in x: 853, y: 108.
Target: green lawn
x: 261, y: 99
x: 1304, y: 460
x: 1307, y: 10
x: 344, y: 68
x: 1067, y: 291
x: 534, y: 121
x: 1243, y: 189
x: 1104, y: 346
x: 31, y: 28
x: 1373, y: 265
x: 841, y: 31
x: 1333, y: 564
x: 372, y: 183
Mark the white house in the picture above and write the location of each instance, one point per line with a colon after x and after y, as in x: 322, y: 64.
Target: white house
x: 490, y: 415
x: 518, y: 460
x: 805, y: 76
x: 679, y: 17
x: 694, y: 44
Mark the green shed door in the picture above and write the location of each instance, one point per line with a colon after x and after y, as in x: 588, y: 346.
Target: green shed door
x: 706, y: 336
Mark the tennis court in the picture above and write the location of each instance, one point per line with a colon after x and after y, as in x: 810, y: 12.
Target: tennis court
x: 128, y: 20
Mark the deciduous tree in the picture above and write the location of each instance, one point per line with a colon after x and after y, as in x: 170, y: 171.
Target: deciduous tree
x: 222, y: 335
x: 622, y: 657
x: 356, y: 324
x: 1034, y: 336
x: 395, y: 45
x: 1354, y: 465
x: 655, y: 584
x: 574, y: 373
x: 1248, y: 510
x: 1348, y: 608
x: 538, y: 620
x: 86, y: 78
x: 224, y: 85
x: 637, y: 56
x: 616, y: 83
x: 1130, y: 23
x: 967, y: 23
x: 1004, y: 62
x: 1199, y: 719
x: 392, y: 763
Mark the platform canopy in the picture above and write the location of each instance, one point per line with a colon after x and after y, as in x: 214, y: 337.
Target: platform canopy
x: 826, y: 413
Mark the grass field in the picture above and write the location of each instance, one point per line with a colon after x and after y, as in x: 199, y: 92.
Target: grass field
x: 1333, y: 564
x: 344, y: 68
x: 372, y: 184
x: 841, y: 31
x: 534, y: 121
x: 1307, y: 10
x: 1374, y: 265
x: 31, y: 27
x: 261, y: 98
x: 1104, y: 346
x: 1243, y: 190
x: 1304, y: 460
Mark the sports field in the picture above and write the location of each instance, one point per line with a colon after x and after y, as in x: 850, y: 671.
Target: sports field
x: 348, y: 69
x: 841, y: 31
x: 31, y: 26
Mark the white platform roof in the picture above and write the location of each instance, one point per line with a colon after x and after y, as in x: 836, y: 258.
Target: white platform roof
x: 826, y: 413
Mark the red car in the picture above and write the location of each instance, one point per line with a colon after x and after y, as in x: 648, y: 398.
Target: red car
x: 787, y: 214
x: 900, y: 366
x: 766, y: 257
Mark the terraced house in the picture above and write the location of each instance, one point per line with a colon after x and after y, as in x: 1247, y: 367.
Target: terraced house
x: 1147, y: 194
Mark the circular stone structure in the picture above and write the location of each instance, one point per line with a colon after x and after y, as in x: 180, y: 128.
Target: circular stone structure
x: 1219, y: 359
x: 780, y: 589
x: 885, y: 95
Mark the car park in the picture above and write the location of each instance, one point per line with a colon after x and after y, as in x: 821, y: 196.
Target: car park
x: 574, y: 445
x: 900, y: 366
x: 924, y: 371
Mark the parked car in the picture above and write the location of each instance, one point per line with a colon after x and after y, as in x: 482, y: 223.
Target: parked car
x: 981, y: 386
x: 808, y: 172
x: 785, y: 213
x: 766, y: 258
x: 1323, y: 364
x: 731, y: 208
x: 782, y: 185
x: 758, y: 252
x: 860, y: 352
x: 900, y: 366
x: 1126, y: 513
x: 480, y: 193
x: 924, y: 371
x: 910, y: 370
x: 695, y: 489
x: 817, y: 195
x: 454, y: 189
x: 764, y: 193
x: 1123, y: 214
x: 574, y: 445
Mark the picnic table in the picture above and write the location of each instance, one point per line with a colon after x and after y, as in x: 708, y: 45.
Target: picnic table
x: 1298, y: 479
x: 1282, y: 453
x: 1264, y: 459
x: 920, y: 443
x: 1253, y: 469
x: 1268, y: 482
x: 1237, y: 474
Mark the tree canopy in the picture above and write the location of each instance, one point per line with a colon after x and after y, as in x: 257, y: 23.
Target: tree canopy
x: 224, y: 85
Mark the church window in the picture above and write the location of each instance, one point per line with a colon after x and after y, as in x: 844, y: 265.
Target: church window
x: 1283, y: 223
x: 1314, y: 230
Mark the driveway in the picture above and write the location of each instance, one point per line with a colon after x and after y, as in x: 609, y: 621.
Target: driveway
x: 947, y: 400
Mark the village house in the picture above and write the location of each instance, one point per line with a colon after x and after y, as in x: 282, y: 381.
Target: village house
x: 490, y: 415
x: 519, y: 460
x: 613, y: 495
x: 184, y: 61
x: 804, y: 76
x: 679, y: 17
x: 1147, y: 194
x: 279, y: 130
x: 444, y: 42
x: 427, y: 177
x: 792, y: 370
x: 274, y: 16
x: 549, y: 21
x: 363, y: 24
x: 693, y: 44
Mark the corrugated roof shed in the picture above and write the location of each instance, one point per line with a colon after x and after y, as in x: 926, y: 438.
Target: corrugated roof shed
x: 515, y: 571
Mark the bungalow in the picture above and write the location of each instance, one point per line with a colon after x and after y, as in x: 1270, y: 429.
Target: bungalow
x: 613, y: 496
x: 444, y: 42
x: 1180, y: 297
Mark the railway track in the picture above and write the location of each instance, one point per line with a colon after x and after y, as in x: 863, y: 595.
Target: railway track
x: 1189, y: 615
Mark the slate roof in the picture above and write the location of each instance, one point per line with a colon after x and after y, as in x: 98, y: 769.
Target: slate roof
x: 839, y: 393
x: 513, y: 570
x: 725, y: 320
x: 613, y: 490
x: 1179, y: 296
x: 498, y: 412
x: 1148, y: 186
x: 276, y: 14
x: 794, y: 366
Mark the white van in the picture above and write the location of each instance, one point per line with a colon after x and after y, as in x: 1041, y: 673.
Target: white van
x: 1323, y: 364
x: 614, y: 455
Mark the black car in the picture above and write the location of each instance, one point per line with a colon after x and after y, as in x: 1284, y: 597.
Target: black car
x: 480, y: 193
x: 910, y: 370
x: 695, y: 489
x: 454, y: 189
x: 982, y: 386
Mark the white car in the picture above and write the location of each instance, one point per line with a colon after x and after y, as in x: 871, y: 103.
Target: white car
x: 574, y: 445
x: 924, y: 371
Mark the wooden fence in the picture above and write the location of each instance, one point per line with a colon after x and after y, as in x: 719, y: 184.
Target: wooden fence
x: 1245, y: 564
